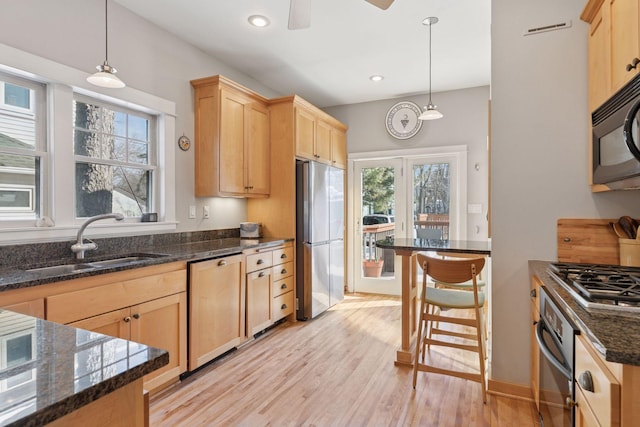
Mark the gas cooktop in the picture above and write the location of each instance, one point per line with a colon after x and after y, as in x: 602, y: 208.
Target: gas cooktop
x: 600, y: 286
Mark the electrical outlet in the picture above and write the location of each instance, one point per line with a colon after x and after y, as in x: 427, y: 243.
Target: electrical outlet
x: 205, y: 212
x: 192, y: 212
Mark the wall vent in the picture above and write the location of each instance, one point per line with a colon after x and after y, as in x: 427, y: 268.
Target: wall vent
x: 552, y: 27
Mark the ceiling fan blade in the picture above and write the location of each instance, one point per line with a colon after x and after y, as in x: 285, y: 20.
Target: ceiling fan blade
x: 299, y: 14
x: 382, y: 4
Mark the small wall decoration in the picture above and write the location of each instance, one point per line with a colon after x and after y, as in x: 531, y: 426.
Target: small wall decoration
x: 402, y: 120
x: 184, y: 143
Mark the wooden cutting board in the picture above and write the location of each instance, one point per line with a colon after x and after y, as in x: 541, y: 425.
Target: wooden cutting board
x: 587, y: 241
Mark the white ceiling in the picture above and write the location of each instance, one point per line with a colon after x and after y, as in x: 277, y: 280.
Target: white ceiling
x: 348, y: 41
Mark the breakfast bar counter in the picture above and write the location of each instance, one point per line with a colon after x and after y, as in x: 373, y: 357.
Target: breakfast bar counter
x: 406, y: 249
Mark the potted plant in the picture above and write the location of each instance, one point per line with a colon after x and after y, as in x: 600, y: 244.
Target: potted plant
x: 372, y: 267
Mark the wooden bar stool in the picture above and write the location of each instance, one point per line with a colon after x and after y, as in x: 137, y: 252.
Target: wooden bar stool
x: 454, y: 270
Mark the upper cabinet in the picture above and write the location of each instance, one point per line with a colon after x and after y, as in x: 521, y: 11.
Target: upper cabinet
x: 614, y: 46
x: 232, y: 145
x: 318, y: 136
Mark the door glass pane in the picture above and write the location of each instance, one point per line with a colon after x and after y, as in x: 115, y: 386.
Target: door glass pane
x: 378, y: 220
x: 431, y: 200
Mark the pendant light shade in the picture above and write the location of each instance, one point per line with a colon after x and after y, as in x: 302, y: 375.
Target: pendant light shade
x: 106, y: 75
x: 430, y: 111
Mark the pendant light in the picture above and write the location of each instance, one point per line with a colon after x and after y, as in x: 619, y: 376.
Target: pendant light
x: 430, y: 111
x: 106, y: 75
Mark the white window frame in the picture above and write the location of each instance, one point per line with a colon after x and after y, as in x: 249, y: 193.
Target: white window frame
x: 58, y: 188
x: 153, y: 142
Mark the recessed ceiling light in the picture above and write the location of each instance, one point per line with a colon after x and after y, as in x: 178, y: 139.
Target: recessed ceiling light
x: 376, y: 78
x: 258, y: 20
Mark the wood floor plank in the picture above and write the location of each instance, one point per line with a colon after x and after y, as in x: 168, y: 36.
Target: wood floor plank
x: 336, y: 370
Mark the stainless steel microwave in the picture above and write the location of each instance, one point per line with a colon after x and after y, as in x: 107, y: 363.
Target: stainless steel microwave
x: 616, y: 139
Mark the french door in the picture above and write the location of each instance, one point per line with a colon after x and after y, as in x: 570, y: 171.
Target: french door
x: 420, y: 195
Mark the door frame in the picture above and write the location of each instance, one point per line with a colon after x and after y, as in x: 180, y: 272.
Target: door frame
x: 459, y: 155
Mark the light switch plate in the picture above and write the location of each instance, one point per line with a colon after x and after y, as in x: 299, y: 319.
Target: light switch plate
x: 192, y: 212
x: 205, y: 212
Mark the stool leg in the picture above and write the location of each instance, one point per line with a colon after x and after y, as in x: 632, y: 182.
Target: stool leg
x: 419, y: 339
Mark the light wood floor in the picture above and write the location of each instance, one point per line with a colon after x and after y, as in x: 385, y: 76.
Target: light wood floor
x: 336, y: 370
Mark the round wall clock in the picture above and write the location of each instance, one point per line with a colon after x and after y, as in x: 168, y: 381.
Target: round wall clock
x: 184, y: 143
x: 402, y: 120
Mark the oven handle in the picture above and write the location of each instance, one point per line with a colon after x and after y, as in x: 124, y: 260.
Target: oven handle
x: 628, y: 130
x: 540, y: 328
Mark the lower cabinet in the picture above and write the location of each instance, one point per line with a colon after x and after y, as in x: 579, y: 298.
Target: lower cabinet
x: 151, y: 310
x: 217, y: 308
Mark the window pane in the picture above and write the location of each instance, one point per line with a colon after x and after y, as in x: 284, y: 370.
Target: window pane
x: 18, y: 184
x: 120, y: 149
x: 105, y: 189
x: 138, y: 128
x: 120, y: 124
x: 17, y: 96
x: 431, y: 200
x: 139, y: 152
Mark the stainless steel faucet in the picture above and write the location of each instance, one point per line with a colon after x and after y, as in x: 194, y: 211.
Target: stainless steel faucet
x: 79, y: 248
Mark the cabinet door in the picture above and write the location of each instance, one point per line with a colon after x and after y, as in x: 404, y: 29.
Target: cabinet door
x: 33, y: 308
x: 338, y: 148
x: 599, y: 60
x: 114, y: 323
x: 233, y: 128
x: 323, y: 142
x: 258, y: 301
x: 625, y: 40
x: 584, y: 416
x: 162, y: 323
x: 217, y: 308
x: 257, y: 151
x: 305, y: 134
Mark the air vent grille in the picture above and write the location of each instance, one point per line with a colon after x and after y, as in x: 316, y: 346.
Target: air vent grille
x: 545, y: 28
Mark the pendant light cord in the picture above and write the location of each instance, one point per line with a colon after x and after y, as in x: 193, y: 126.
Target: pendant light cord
x: 430, y: 24
x: 106, y: 34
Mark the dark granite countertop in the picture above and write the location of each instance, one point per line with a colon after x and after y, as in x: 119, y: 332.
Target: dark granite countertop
x: 462, y: 246
x: 15, y: 277
x: 57, y: 369
x: 615, y: 334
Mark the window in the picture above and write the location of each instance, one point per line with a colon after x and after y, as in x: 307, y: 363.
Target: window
x: 114, y: 159
x: 22, y: 147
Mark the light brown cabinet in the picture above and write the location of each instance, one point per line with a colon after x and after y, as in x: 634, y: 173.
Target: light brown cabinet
x: 151, y: 310
x: 270, y: 287
x: 232, y: 143
x: 597, y: 389
x: 613, y: 46
x: 216, y: 308
x: 535, y: 351
x: 33, y: 307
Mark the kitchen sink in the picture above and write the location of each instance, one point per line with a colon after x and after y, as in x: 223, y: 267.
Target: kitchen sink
x: 62, y: 269
x: 109, y: 262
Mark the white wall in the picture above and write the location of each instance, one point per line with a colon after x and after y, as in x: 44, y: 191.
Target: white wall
x: 539, y: 155
x: 465, y: 122
x: 71, y: 32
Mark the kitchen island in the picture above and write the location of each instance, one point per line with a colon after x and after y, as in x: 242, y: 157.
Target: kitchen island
x: 67, y: 376
x: 406, y: 249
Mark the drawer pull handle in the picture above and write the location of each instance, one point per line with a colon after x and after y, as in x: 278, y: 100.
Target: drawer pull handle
x: 222, y: 263
x: 283, y: 286
x: 586, y: 381
x: 532, y: 293
x: 283, y: 307
x: 283, y: 256
x: 261, y: 274
x: 633, y: 64
x: 127, y: 319
x: 260, y: 261
x: 566, y: 239
x: 283, y: 271
x: 136, y: 316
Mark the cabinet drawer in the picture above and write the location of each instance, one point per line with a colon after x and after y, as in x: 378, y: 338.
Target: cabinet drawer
x: 72, y: 306
x: 282, y: 255
x: 279, y: 287
x: 282, y: 306
x: 259, y: 261
x: 604, y: 400
x: 282, y: 271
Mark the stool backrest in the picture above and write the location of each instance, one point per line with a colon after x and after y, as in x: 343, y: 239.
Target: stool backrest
x: 451, y: 270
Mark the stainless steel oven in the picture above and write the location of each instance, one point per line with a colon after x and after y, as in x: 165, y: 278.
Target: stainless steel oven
x: 555, y: 334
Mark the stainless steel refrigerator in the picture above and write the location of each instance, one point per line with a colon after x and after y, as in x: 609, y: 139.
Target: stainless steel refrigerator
x: 319, y: 238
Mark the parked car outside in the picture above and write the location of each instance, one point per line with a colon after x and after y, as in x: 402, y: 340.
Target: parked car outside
x: 377, y: 219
